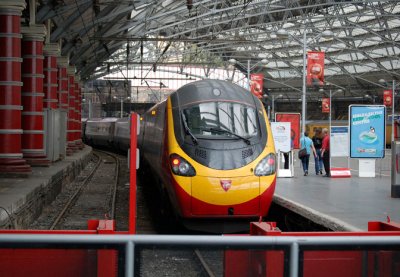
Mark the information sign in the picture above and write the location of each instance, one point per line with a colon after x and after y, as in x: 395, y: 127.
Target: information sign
x: 281, y: 134
x: 339, y: 141
x: 294, y: 119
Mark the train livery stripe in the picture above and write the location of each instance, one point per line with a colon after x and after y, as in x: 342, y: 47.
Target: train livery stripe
x: 241, y: 190
x: 193, y: 207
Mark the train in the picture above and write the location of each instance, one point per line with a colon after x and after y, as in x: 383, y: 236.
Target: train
x: 210, y: 148
x: 107, y: 132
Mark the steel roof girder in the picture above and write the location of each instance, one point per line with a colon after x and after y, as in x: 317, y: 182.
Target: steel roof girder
x: 57, y: 34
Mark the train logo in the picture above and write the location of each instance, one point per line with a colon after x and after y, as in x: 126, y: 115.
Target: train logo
x: 226, y: 184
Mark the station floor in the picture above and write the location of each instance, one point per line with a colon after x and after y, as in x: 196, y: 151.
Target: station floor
x: 341, y: 204
x: 23, y: 197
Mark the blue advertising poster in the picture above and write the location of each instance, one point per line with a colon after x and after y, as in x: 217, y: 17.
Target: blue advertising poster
x: 367, y: 131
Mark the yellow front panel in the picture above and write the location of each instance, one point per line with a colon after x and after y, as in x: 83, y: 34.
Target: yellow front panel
x: 210, y: 190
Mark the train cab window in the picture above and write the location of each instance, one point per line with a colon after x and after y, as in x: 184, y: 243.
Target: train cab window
x: 222, y: 119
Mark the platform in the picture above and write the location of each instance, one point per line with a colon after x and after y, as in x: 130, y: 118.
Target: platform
x: 22, y: 199
x: 341, y: 204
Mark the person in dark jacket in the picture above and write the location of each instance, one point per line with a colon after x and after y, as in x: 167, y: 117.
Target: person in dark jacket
x: 325, y: 152
x: 317, y: 140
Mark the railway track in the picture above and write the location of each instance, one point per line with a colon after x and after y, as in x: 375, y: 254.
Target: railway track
x: 101, y: 191
x: 92, y: 195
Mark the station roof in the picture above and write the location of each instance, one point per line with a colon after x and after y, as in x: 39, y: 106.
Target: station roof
x: 362, y: 51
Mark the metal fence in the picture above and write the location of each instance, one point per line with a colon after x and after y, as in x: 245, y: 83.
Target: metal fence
x: 292, y: 245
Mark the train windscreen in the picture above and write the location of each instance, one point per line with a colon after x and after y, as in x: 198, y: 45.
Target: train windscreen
x: 222, y: 119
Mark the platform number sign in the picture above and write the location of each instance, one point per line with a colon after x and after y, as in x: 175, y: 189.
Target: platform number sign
x: 367, y: 131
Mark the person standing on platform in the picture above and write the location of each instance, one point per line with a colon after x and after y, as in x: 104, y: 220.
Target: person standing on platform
x: 286, y: 155
x: 306, y: 143
x: 325, y: 152
x: 317, y: 140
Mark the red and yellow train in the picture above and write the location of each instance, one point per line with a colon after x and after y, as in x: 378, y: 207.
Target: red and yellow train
x: 210, y: 146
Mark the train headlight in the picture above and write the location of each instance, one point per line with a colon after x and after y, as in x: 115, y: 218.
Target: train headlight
x: 180, y: 166
x: 266, y: 166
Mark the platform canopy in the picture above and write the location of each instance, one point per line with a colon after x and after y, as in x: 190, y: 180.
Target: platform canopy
x: 361, y: 51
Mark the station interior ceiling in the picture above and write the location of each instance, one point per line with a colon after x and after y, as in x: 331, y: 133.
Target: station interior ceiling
x: 258, y: 36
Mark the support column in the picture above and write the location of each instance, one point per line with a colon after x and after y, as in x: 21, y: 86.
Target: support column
x: 51, y: 51
x: 78, y: 123
x: 62, y: 94
x: 71, y: 145
x: 11, y: 161
x: 62, y: 64
x: 32, y: 96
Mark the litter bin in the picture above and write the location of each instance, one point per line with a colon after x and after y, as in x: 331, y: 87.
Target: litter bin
x: 395, y: 188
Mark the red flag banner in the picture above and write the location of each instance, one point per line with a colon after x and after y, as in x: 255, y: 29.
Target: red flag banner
x: 315, y: 68
x: 325, y: 105
x: 256, y: 84
x: 387, y: 98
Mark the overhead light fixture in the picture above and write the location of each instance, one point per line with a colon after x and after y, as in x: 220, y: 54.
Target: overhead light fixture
x: 327, y: 34
x: 282, y: 33
x: 232, y: 61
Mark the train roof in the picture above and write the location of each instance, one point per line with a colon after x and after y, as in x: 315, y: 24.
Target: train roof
x: 212, y: 90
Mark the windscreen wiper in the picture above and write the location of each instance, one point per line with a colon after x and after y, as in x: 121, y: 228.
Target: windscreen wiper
x: 187, y: 129
x: 229, y: 132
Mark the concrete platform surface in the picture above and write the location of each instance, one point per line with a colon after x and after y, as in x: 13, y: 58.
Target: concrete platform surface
x: 21, y: 198
x: 342, y: 204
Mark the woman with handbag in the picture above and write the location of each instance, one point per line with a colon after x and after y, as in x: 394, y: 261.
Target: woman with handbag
x: 307, y: 144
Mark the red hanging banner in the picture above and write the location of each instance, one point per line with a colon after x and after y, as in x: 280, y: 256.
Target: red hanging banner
x: 325, y: 105
x: 387, y: 98
x: 315, y: 68
x: 256, y: 84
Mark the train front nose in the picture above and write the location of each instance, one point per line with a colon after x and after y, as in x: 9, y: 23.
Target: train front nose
x: 238, y: 196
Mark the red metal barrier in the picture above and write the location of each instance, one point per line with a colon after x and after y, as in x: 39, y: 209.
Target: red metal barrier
x: 316, y: 262
x: 61, y: 262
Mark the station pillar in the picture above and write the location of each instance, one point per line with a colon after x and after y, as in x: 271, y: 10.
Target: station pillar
x: 71, y: 145
x: 62, y: 105
x: 51, y: 52
x: 32, y: 96
x: 62, y: 64
x: 78, y: 107
x: 11, y: 157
